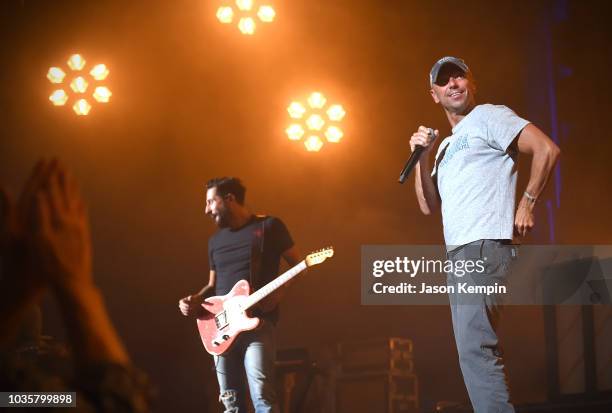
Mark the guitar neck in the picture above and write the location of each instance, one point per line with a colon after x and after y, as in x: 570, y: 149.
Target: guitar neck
x: 273, y: 285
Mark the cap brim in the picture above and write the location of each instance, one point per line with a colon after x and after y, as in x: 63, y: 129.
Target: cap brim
x: 434, y: 75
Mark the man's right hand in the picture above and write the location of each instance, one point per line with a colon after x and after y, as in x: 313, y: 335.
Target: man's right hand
x: 191, y: 306
x: 423, y: 138
x: 60, y: 235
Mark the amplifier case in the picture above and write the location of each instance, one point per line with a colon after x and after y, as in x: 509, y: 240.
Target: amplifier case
x: 377, y: 392
x: 380, y: 355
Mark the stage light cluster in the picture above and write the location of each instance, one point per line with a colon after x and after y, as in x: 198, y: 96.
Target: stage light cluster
x: 81, y: 84
x: 314, y: 120
x: 246, y: 14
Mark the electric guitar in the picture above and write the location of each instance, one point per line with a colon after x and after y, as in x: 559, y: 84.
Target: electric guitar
x: 226, y: 316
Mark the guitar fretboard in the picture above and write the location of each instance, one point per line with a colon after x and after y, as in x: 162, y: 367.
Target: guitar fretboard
x: 270, y: 287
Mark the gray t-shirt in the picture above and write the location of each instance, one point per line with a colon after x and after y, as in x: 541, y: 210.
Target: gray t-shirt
x: 476, y: 176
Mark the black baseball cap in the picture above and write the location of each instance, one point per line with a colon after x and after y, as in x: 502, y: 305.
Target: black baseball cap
x: 433, y: 74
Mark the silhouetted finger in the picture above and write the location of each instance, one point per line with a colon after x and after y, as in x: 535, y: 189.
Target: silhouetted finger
x: 54, y: 194
x: 42, y: 214
x: 31, y: 186
x: 63, y: 178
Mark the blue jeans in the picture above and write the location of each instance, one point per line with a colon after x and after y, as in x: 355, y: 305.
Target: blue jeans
x: 250, y: 361
x: 475, y: 321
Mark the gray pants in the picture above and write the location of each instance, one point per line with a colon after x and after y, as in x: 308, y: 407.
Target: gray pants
x: 475, y: 320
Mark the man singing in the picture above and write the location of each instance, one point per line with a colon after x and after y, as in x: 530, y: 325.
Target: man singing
x: 473, y: 179
x: 246, y: 247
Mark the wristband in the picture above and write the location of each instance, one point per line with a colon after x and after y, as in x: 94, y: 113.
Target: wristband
x: 530, y: 197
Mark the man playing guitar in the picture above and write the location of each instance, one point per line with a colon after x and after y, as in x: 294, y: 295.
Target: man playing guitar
x: 246, y: 247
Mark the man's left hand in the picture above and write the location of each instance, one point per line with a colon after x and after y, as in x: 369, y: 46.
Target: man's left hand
x: 524, y: 219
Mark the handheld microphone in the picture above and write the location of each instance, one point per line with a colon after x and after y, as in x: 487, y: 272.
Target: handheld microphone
x: 414, y: 158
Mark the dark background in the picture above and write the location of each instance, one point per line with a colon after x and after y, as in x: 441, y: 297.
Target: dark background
x: 193, y: 99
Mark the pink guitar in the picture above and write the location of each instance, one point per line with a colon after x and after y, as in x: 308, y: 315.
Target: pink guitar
x: 226, y: 316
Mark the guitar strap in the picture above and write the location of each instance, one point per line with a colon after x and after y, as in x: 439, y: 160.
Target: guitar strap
x: 257, y: 249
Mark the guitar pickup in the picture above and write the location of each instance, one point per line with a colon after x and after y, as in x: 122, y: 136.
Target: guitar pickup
x: 221, y: 320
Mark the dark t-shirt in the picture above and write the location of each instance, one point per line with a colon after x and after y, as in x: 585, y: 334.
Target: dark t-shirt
x: 229, y: 252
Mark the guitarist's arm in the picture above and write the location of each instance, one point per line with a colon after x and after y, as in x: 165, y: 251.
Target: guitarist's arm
x: 292, y: 257
x: 209, y: 288
x: 192, y: 305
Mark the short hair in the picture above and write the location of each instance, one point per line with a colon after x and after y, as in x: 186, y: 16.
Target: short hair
x: 228, y: 185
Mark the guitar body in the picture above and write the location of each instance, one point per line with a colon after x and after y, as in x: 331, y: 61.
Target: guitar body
x: 225, y: 319
x: 226, y: 316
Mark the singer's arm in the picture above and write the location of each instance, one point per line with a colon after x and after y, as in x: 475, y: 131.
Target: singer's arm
x: 426, y: 189
x: 544, y: 152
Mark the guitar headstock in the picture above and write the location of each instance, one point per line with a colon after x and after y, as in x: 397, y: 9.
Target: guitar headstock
x: 317, y: 257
